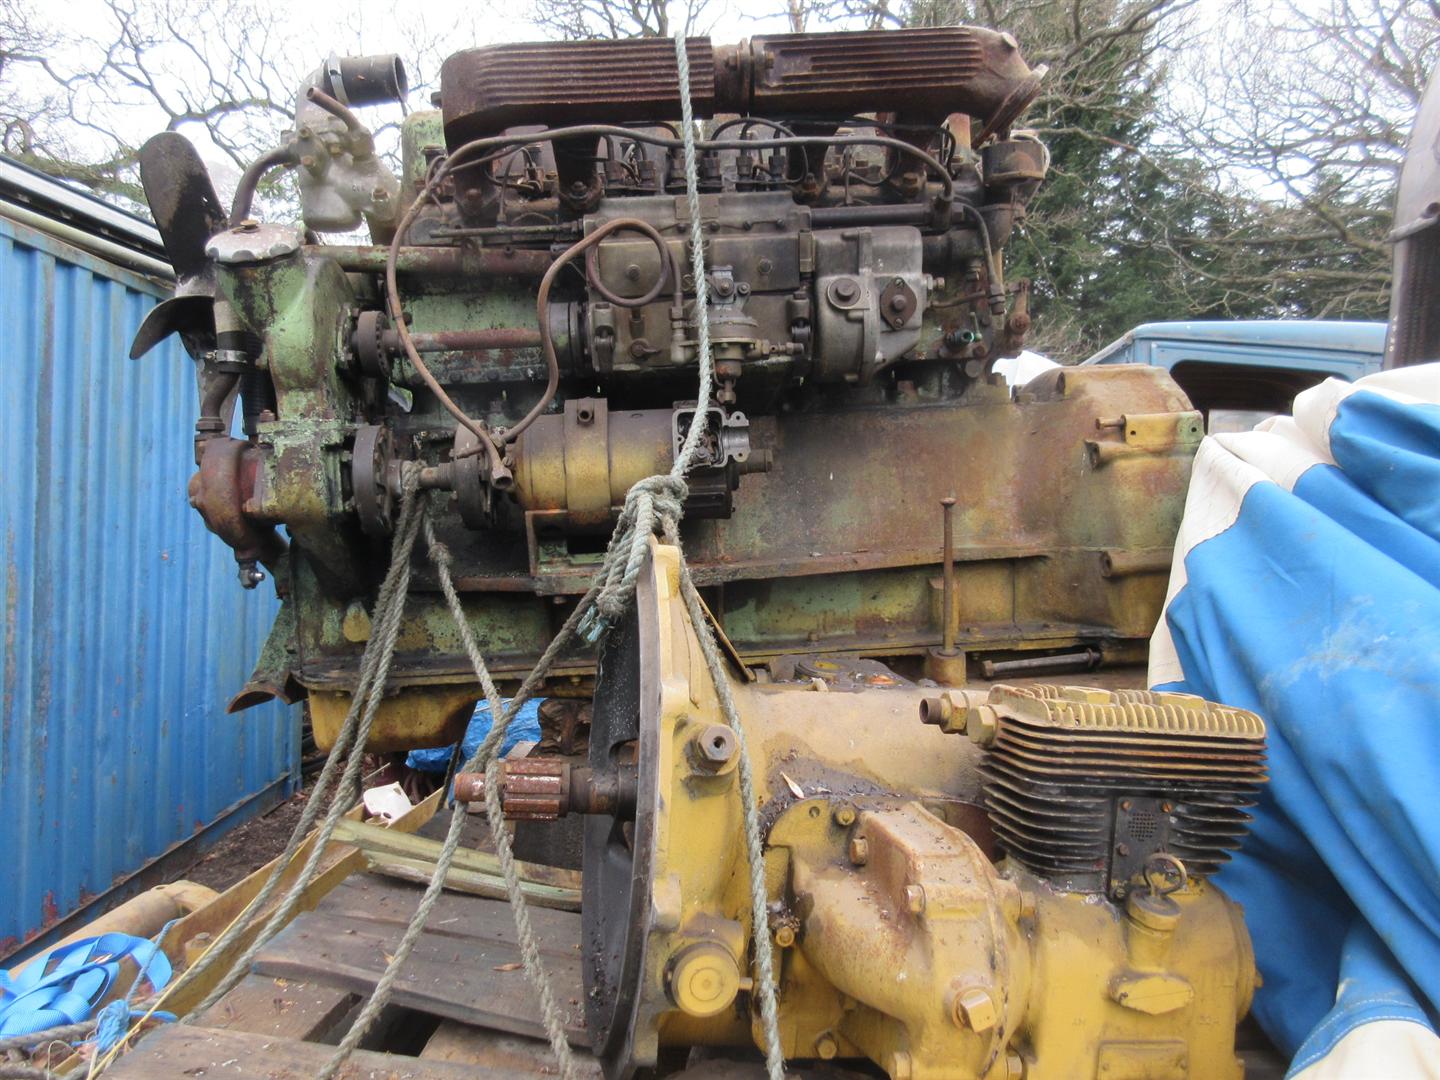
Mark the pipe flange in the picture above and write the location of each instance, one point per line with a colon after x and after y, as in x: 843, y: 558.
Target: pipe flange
x: 370, y: 479
x: 470, y: 472
x: 368, y: 343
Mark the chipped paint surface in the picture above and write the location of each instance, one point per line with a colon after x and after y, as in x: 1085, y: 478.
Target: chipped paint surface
x: 125, y: 632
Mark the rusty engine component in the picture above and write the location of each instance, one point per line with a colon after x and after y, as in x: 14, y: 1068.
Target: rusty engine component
x: 523, y: 329
x: 874, y: 509
x: 1003, y: 883
x: 938, y: 71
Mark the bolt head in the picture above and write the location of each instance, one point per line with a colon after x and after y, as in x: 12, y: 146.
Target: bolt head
x: 785, y: 936
x: 859, y: 850
x: 915, y: 898
x: 844, y: 816
x: 982, y: 724
x: 974, y: 1008
x: 826, y: 1047
x: 714, y: 747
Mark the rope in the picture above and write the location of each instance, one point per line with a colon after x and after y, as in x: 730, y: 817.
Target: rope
x: 354, y: 733
x: 63, y: 1033
x: 346, y: 753
x: 486, y: 756
x: 759, y: 928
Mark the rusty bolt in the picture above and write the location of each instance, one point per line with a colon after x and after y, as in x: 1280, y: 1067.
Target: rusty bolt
x: 845, y: 815
x: 915, y: 898
x: 714, y: 747
x: 1125, y: 804
x: 859, y: 850
x: 826, y: 1047
x: 974, y: 1008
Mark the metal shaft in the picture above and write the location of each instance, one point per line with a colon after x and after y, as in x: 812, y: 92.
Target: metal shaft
x: 947, y: 595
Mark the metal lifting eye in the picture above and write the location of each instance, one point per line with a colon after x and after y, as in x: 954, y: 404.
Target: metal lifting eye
x: 1164, y: 874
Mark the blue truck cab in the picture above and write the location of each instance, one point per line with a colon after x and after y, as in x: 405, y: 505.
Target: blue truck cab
x: 1237, y: 373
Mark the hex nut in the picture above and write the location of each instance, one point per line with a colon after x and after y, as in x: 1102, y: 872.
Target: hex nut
x: 784, y: 936
x: 1014, y: 1066
x: 974, y: 1008
x: 826, y: 1047
x: 714, y: 747
x: 915, y: 898
x: 901, y: 1066
x: 982, y: 724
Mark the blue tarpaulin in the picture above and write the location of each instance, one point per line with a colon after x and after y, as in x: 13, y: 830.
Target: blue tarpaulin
x: 1306, y: 587
x: 524, y: 728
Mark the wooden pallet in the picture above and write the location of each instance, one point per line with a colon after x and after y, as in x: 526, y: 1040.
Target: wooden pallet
x: 462, y: 1005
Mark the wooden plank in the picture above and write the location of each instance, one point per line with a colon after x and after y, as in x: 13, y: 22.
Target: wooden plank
x: 466, y: 966
x: 373, y: 840
x: 281, y: 1007
x: 380, y: 899
x: 183, y: 1052
x: 488, y: 886
x: 510, y: 1053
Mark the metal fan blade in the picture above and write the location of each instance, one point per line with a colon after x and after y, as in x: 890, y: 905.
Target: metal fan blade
x: 182, y: 200
x: 192, y: 316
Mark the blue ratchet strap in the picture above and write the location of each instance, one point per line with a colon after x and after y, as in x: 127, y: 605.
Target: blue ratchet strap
x: 64, y: 986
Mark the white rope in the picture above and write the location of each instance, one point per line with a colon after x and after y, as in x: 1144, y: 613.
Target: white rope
x: 764, y: 983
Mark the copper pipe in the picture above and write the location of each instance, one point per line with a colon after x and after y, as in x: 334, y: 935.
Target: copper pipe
x: 498, y: 337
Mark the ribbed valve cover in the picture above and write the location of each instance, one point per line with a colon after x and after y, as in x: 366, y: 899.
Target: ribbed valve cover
x: 1082, y: 786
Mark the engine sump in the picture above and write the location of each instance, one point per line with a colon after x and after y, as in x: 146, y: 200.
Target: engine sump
x: 1082, y: 786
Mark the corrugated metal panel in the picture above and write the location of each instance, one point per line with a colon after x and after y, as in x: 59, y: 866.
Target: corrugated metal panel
x: 125, y: 629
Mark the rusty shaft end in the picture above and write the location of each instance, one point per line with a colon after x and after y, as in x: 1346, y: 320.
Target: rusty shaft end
x: 542, y: 789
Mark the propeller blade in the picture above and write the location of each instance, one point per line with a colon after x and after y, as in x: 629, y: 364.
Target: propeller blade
x: 182, y: 200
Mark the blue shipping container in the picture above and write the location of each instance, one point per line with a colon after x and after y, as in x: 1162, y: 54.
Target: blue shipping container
x: 126, y: 631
